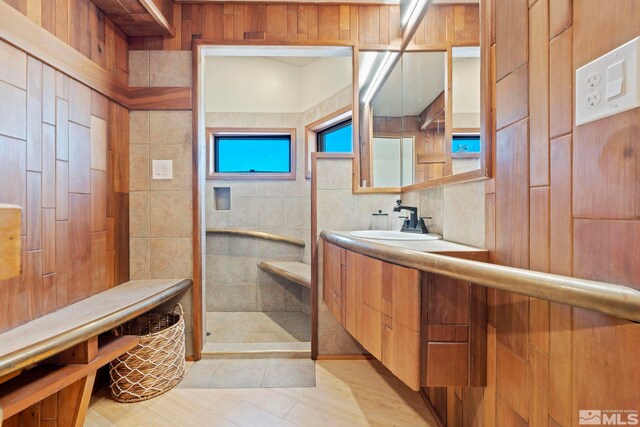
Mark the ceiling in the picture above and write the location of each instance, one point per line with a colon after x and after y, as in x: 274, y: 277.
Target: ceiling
x: 299, y: 62
x: 414, y: 83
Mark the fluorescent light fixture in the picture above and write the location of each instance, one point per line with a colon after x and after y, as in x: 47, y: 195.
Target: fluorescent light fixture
x: 408, y: 12
x: 381, y: 73
x: 413, y: 12
x: 368, y: 58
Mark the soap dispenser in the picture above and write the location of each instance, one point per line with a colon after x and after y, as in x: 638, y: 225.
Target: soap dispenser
x: 380, y: 221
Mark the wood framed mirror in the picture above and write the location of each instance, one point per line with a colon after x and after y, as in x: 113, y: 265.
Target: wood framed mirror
x: 425, y: 111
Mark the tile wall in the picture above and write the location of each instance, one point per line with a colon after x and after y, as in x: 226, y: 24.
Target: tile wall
x: 161, y: 210
x: 233, y: 281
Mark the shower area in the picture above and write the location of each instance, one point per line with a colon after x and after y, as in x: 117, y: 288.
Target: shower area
x: 258, y: 240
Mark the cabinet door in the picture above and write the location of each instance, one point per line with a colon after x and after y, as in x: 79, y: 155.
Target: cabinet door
x: 350, y: 295
x: 370, y: 330
x: 406, y: 297
x: 401, y: 352
x: 332, y: 279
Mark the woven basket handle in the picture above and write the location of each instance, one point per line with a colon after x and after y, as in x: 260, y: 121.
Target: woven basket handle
x: 181, y: 311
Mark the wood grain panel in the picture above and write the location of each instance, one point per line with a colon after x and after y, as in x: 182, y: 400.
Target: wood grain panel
x: 62, y: 190
x: 33, y: 277
x: 48, y: 241
x: 406, y: 297
x: 512, y: 108
x: 512, y: 28
x: 512, y: 196
x: 560, y: 218
x: 98, y: 200
x: 513, y: 381
x: 447, y: 364
x: 539, y: 229
x: 48, y: 94
x: 79, y: 159
x: 13, y: 173
x: 48, y: 166
x: 607, y: 250
x: 34, y: 211
x: 79, y: 247
x: 615, y: 373
x: 489, y: 402
x: 13, y: 107
x: 62, y: 129
x: 63, y: 263
x: 560, y: 16
x: 34, y: 114
x: 538, y: 388
x: 606, y: 185
x: 560, y: 366
x: 539, y: 93
x: 561, y: 85
x: 371, y: 281
x: 448, y: 300
x: 98, y: 262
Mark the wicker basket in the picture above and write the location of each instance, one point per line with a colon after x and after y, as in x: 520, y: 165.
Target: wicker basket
x: 156, y: 364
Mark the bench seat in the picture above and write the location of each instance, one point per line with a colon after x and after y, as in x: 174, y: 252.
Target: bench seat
x: 67, y: 343
x: 296, y: 272
x: 43, y: 337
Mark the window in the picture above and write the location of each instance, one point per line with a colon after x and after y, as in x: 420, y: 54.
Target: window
x: 330, y: 134
x: 465, y: 143
x: 251, y: 154
x: 337, y: 138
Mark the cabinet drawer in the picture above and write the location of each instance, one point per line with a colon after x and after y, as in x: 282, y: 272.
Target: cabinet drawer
x: 446, y: 364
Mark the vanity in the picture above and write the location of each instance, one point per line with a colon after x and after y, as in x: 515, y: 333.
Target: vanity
x: 428, y: 330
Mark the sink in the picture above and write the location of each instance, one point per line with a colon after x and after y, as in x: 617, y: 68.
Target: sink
x: 392, y: 235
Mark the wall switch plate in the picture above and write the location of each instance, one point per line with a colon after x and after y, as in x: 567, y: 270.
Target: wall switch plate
x: 609, y: 85
x: 162, y: 169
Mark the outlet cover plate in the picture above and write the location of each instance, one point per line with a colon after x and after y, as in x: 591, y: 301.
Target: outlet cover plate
x: 596, y: 81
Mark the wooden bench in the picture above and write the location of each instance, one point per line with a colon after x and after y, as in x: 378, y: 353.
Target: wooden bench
x: 61, y: 352
x: 296, y: 272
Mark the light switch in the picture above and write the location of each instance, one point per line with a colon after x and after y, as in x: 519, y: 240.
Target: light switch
x: 162, y: 169
x: 615, y: 80
x: 608, y: 85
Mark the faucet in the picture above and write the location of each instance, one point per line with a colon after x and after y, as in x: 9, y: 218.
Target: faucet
x: 412, y: 224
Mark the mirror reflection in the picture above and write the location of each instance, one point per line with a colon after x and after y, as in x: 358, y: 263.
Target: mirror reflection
x: 420, y: 111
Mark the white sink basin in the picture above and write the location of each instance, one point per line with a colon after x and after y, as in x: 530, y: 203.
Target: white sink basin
x: 392, y: 235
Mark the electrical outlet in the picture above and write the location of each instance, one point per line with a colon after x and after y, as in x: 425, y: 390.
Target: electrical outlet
x: 592, y: 80
x: 609, y: 85
x: 593, y: 98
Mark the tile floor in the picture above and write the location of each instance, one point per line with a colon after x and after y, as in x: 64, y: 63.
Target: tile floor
x: 258, y: 327
x: 347, y: 393
x: 252, y: 373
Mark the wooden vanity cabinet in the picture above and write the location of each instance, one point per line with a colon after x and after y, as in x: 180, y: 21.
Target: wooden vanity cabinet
x: 428, y: 330
x: 379, y: 305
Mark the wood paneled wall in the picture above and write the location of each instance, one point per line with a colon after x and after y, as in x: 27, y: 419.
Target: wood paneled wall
x: 83, y: 26
x: 64, y: 159
x: 372, y: 25
x: 563, y: 200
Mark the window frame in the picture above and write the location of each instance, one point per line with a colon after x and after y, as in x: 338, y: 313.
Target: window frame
x: 334, y: 127
x: 311, y: 133
x: 212, y: 133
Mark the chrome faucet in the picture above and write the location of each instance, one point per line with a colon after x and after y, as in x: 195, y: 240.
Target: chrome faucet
x: 412, y: 224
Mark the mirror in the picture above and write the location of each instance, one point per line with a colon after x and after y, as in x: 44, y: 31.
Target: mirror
x: 421, y: 114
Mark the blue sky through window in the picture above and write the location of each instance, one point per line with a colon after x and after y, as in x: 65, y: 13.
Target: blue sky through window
x: 253, y: 154
x: 337, y: 139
